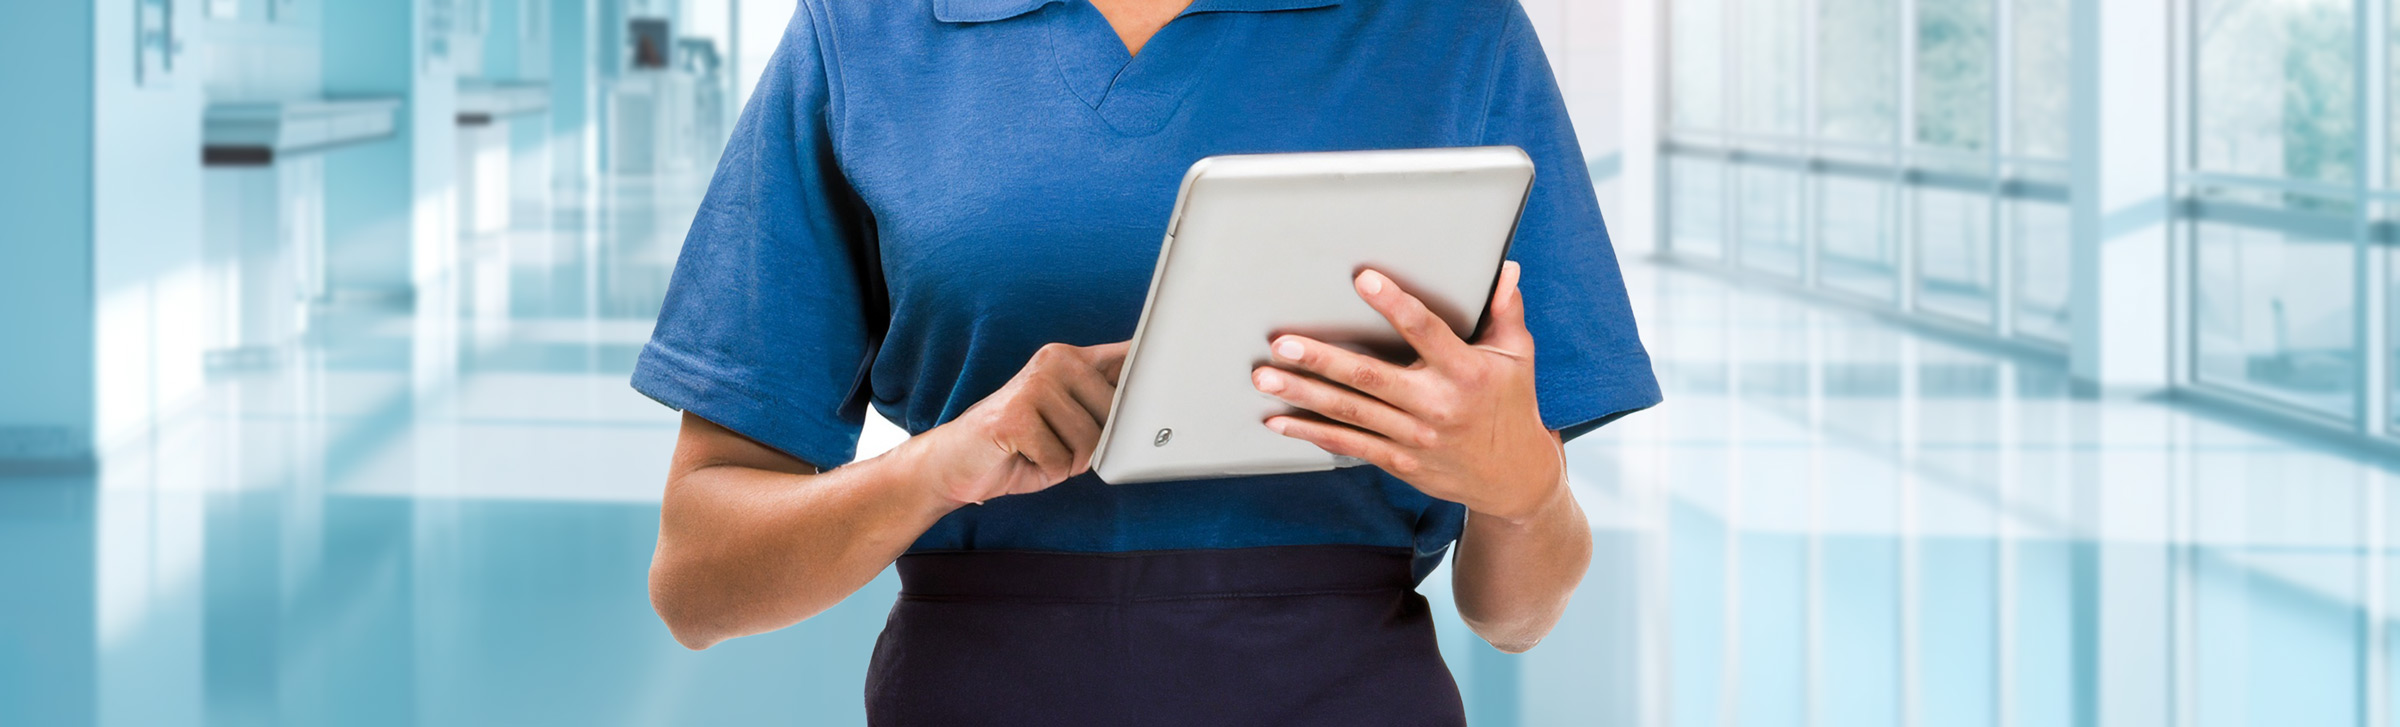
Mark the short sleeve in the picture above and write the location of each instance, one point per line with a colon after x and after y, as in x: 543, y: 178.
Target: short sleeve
x: 1589, y: 362
x: 775, y: 307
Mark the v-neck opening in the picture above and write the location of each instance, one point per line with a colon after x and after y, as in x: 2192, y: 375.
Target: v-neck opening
x: 1195, y: 7
x: 1133, y: 93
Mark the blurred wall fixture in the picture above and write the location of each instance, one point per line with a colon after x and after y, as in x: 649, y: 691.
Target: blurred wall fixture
x: 155, y: 42
x: 482, y: 102
x: 258, y: 133
x: 485, y: 153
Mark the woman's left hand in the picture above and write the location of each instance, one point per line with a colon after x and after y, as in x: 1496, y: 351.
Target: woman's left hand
x: 1461, y: 424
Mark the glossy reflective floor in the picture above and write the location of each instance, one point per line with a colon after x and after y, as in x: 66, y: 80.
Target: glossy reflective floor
x: 441, y: 514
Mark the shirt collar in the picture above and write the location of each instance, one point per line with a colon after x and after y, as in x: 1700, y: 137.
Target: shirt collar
x: 984, y: 11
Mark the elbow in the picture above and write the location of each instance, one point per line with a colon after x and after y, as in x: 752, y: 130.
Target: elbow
x: 690, y: 636
x: 1516, y: 645
x: 684, y: 619
x: 692, y: 640
x: 688, y: 632
x: 1512, y: 638
x: 1513, y: 628
x: 701, y: 612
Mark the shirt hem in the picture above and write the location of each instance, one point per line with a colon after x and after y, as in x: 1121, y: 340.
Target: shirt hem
x: 1622, y: 386
x: 681, y: 382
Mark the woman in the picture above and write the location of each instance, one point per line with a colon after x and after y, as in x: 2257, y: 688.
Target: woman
x: 950, y: 209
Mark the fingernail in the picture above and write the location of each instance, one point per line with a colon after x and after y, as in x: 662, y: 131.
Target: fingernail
x: 1277, y: 424
x: 1370, y: 281
x: 1289, y: 349
x: 1269, y: 381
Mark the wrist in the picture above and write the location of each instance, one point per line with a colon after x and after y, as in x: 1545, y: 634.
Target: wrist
x: 1532, y: 496
x: 915, y: 470
x: 1534, y: 507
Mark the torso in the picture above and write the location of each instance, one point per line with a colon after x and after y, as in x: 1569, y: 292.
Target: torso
x: 1023, y: 203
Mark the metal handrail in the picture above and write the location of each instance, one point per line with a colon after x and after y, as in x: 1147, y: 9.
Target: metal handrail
x: 1914, y: 151
x: 2006, y: 185
x: 2281, y: 184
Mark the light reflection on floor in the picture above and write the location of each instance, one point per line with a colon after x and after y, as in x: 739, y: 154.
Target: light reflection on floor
x: 442, y: 515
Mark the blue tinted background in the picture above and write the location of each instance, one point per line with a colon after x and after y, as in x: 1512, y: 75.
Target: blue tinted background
x: 343, y: 437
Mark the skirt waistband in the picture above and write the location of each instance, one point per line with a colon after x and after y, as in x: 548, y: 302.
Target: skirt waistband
x: 1154, y: 575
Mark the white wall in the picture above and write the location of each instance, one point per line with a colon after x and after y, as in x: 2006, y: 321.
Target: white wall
x: 146, y: 228
x: 262, y: 50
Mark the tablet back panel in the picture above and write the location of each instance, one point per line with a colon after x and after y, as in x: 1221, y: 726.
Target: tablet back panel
x: 1265, y: 245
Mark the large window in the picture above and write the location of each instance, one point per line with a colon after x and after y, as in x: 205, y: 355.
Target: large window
x: 1954, y: 74
x: 2277, y: 96
x: 1696, y: 189
x: 2276, y: 315
x: 2040, y: 101
x: 1915, y: 155
x: 1771, y: 227
x: 2390, y: 389
x: 1931, y: 176
x: 1861, y: 250
x: 1773, y: 71
x: 2039, y: 236
x: 2040, y: 127
x: 1955, y: 100
x: 1955, y: 273
x: 2275, y: 167
x: 1858, y: 56
x: 1697, y: 65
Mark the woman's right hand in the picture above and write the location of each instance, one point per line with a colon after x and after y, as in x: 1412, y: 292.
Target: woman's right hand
x: 1036, y: 431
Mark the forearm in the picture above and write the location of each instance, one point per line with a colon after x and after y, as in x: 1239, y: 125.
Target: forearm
x: 1512, y: 579
x: 743, y: 550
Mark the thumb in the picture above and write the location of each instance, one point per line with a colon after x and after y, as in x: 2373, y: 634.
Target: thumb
x: 1110, y: 360
x: 1506, y: 328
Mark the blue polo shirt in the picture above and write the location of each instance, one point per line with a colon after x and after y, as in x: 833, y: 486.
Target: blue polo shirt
x: 924, y: 192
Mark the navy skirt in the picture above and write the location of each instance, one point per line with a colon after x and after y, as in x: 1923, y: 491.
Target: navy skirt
x: 1284, y: 635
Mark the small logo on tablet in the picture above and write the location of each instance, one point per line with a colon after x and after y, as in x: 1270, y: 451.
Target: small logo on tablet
x: 1164, y: 435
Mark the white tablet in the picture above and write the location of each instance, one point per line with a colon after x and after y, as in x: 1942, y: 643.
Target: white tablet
x: 1265, y: 245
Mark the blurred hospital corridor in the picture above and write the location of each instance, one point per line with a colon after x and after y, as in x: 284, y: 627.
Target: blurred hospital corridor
x: 2026, y: 363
